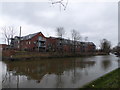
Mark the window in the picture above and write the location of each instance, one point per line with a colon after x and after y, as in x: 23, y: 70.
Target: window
x: 18, y: 46
x: 29, y: 36
x: 34, y: 42
x: 1, y: 48
x: 18, y: 41
x: 39, y: 38
x: 29, y: 42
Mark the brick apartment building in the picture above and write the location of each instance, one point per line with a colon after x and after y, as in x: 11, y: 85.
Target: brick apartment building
x: 4, y: 47
x: 38, y: 42
x: 31, y: 42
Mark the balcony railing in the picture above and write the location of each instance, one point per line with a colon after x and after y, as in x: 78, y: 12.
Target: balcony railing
x: 42, y: 46
x: 42, y: 40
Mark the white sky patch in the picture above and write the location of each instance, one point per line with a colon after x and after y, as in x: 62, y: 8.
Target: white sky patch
x: 46, y: 14
x: 26, y: 28
x: 94, y: 20
x: 57, y: 0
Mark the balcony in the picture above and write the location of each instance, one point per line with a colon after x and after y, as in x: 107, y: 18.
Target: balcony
x: 41, y: 39
x: 41, y: 44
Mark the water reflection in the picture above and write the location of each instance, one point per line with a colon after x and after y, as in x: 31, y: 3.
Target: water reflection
x: 65, y: 72
x: 106, y: 64
x: 36, y: 69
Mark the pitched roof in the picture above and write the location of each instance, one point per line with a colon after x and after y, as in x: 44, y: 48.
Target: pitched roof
x: 29, y: 36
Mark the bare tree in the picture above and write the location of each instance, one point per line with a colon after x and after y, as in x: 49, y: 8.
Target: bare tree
x: 75, y: 37
x: 62, y: 3
x: 86, y: 39
x: 105, y: 46
x: 60, y: 31
x: 8, y: 33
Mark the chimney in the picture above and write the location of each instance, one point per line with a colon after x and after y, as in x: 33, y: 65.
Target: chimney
x: 20, y: 32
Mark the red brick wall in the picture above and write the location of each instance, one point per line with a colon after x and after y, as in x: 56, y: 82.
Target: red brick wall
x: 25, y: 43
x: 51, y: 42
x: 4, y: 46
x: 90, y: 48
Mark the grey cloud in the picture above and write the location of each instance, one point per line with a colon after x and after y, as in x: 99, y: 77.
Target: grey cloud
x: 93, y: 18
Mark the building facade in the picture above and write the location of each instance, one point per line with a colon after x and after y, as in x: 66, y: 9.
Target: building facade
x: 31, y: 42
x: 38, y: 42
x: 4, y: 47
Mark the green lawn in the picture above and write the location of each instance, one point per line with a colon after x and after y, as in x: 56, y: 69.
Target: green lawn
x: 110, y: 80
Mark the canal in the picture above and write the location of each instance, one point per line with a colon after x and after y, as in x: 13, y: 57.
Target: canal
x: 56, y: 73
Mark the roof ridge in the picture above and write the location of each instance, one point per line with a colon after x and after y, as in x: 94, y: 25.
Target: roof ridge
x: 29, y: 36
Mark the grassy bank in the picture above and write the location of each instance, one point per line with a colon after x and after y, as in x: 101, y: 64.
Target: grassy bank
x: 23, y: 55
x: 110, y: 80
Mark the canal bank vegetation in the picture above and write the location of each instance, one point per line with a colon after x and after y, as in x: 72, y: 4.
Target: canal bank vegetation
x: 110, y: 80
x: 24, y: 55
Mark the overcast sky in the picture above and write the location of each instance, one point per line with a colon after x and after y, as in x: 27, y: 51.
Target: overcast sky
x: 94, y: 20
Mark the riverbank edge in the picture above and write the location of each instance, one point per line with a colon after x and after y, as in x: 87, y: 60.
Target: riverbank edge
x: 20, y: 55
x: 109, y: 80
x: 46, y: 57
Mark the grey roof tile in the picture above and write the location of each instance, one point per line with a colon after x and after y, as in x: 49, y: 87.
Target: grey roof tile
x: 29, y: 36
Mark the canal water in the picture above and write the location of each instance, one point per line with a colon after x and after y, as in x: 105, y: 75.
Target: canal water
x: 56, y: 73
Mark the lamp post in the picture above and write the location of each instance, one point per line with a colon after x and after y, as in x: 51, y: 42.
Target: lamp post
x: 20, y: 39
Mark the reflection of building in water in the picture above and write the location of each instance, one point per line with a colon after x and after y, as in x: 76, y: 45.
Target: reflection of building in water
x: 37, y: 69
x: 106, y: 64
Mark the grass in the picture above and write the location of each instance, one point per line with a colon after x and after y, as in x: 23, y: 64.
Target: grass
x: 25, y: 54
x: 110, y: 80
